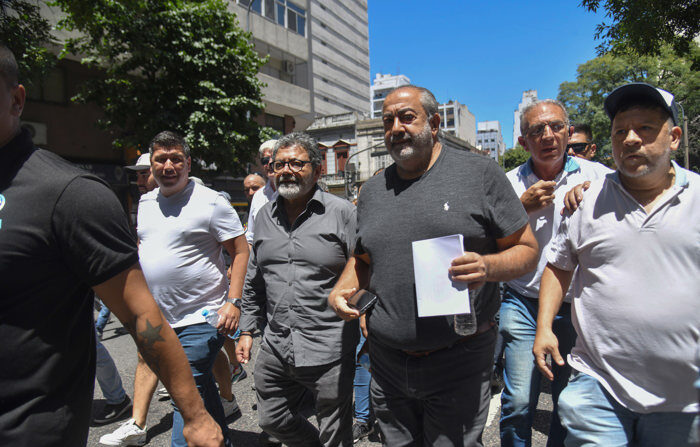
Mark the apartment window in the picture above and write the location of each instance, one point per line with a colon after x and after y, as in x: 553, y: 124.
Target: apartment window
x: 284, y: 12
x: 52, y: 88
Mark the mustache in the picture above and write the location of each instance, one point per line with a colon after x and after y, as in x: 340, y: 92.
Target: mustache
x: 404, y: 138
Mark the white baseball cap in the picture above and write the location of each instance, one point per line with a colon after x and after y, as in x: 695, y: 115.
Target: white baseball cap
x: 143, y: 163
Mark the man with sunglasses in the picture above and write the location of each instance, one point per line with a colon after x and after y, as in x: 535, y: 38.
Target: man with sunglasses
x: 541, y: 183
x: 302, y: 242
x: 267, y: 193
x: 580, y: 143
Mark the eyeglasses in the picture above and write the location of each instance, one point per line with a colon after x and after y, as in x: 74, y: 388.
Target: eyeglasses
x: 294, y: 164
x: 536, y: 131
x: 577, y: 147
x: 265, y: 161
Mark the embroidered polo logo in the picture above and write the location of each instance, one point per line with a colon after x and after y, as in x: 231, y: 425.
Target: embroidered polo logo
x: 2, y: 201
x: 446, y: 206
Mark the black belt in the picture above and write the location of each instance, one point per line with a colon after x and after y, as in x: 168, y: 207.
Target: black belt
x: 482, y: 328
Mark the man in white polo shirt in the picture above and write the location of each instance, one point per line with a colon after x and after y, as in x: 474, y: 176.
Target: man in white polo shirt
x: 541, y: 183
x: 183, y: 227
x: 266, y: 193
x: 632, y: 249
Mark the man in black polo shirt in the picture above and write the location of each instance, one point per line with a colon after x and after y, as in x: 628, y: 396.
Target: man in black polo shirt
x: 429, y: 385
x: 62, y: 231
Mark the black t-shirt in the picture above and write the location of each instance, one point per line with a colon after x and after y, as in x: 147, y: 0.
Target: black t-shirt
x: 61, y: 232
x: 462, y: 193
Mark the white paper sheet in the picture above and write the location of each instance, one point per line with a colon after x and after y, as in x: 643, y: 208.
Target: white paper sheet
x: 436, y: 293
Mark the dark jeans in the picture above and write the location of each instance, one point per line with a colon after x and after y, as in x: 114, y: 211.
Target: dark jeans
x: 282, y: 389
x: 441, y: 399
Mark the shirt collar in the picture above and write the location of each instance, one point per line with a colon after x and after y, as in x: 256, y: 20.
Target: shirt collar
x: 317, y: 200
x: 570, y: 165
x: 681, y: 177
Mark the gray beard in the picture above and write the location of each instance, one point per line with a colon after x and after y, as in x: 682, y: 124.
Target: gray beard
x: 289, y: 191
x: 423, y: 139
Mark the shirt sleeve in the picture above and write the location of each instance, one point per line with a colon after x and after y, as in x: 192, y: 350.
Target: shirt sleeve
x: 92, y: 231
x: 225, y: 223
x: 503, y: 206
x: 350, y: 234
x: 253, y: 302
x: 560, y: 252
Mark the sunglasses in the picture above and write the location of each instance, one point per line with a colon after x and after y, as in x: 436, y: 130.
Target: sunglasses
x: 577, y: 147
x: 265, y: 161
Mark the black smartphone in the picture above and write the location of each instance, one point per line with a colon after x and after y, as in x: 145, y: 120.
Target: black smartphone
x: 362, y: 300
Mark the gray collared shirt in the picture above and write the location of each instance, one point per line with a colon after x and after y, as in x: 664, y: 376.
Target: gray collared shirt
x: 291, y: 271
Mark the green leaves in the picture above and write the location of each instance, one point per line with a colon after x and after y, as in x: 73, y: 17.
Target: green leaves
x: 178, y: 65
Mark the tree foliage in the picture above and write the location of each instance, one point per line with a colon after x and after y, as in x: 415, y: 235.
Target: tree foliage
x: 179, y: 65
x: 27, y: 34
x: 645, y: 26
x: 598, y: 77
x: 512, y: 158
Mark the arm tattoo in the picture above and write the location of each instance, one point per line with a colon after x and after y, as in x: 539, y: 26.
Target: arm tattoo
x: 145, y: 341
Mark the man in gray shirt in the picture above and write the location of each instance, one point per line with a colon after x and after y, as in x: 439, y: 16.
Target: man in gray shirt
x: 301, y: 244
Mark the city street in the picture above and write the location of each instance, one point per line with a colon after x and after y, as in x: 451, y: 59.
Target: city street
x: 245, y: 428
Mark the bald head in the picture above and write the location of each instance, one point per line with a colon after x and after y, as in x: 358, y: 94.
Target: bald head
x: 252, y: 183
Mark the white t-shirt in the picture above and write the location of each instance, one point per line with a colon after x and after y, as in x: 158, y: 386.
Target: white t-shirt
x: 260, y: 198
x: 545, y: 221
x: 636, y: 306
x: 180, y: 250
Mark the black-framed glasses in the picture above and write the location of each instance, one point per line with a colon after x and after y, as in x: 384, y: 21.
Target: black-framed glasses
x: 577, y: 147
x: 294, y: 164
x: 537, y: 130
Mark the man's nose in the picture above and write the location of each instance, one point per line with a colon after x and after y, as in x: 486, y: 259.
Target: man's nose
x: 632, y: 138
x: 547, y: 132
x: 397, y: 126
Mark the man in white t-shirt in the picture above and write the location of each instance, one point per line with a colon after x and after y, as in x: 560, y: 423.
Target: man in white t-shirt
x: 266, y: 194
x: 631, y: 249
x: 183, y: 227
x: 541, y: 183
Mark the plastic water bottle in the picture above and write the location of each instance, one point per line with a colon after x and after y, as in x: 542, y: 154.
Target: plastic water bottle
x: 211, y: 317
x: 465, y: 324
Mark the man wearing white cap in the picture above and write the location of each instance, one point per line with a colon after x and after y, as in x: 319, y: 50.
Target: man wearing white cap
x: 144, y: 178
x: 266, y: 194
x: 630, y: 251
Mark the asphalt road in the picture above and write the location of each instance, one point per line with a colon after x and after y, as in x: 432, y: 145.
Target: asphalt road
x: 244, y: 428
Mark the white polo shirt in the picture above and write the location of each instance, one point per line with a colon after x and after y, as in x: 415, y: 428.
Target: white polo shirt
x: 636, y: 306
x: 545, y: 221
x: 260, y: 198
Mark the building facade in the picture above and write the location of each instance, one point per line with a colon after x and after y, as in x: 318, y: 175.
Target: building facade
x: 529, y: 96
x: 383, y: 84
x: 489, y: 138
x: 457, y: 120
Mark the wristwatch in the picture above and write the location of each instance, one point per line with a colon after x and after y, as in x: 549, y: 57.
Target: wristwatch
x: 235, y: 301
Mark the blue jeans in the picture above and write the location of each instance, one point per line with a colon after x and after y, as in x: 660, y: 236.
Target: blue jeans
x: 107, y: 376
x: 361, y: 384
x: 518, y: 324
x: 102, y: 318
x: 201, y: 343
x: 592, y: 417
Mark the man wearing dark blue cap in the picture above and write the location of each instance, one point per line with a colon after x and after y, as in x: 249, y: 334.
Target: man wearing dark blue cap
x: 631, y: 249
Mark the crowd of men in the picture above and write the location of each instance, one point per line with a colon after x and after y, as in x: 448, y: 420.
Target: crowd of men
x: 599, y: 266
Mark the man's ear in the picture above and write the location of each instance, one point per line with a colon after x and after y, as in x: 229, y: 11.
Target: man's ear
x: 19, y: 96
x: 434, y: 122
x: 676, y: 133
x: 523, y: 143
x: 593, y: 149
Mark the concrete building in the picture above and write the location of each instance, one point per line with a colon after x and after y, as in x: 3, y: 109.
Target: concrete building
x: 318, y: 57
x: 383, y: 84
x: 457, y: 120
x: 529, y: 96
x: 352, y: 148
x: 489, y: 138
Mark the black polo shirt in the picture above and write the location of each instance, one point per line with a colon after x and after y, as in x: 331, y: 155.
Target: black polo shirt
x: 61, y: 232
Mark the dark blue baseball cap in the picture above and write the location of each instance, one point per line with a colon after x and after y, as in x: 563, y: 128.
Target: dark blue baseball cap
x: 637, y: 90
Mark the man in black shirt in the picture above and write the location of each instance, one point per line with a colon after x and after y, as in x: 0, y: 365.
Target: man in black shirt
x: 431, y: 386
x: 62, y: 231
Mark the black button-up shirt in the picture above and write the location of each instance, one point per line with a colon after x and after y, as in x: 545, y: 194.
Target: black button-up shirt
x: 291, y: 271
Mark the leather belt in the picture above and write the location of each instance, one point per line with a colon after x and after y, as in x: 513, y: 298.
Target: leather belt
x: 482, y: 328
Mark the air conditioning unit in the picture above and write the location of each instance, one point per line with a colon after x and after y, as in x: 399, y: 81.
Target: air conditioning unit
x: 289, y: 67
x: 37, y: 131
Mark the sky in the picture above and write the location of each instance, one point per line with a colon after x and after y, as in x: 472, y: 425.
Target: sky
x: 483, y: 54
